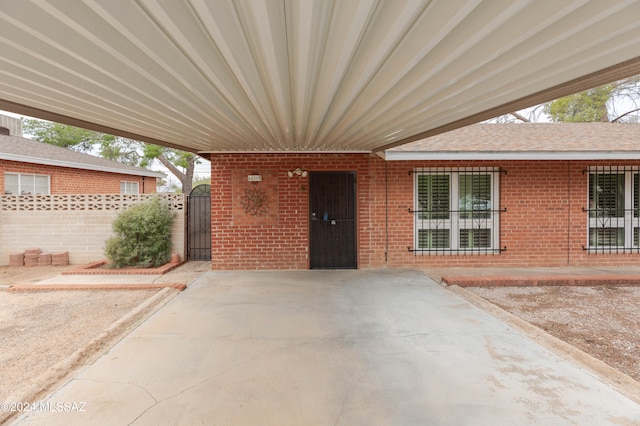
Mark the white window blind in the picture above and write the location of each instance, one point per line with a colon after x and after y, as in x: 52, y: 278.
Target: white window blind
x: 129, y: 187
x: 26, y: 184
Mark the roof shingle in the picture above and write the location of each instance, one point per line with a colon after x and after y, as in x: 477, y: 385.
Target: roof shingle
x: 528, y: 138
x: 17, y: 148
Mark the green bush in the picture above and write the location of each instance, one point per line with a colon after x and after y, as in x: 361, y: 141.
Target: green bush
x: 142, y: 236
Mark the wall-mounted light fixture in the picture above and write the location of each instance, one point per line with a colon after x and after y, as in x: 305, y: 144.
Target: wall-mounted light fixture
x: 297, y: 172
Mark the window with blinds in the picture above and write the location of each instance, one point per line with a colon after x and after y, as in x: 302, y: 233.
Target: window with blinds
x: 26, y: 184
x: 129, y: 187
x: 434, y: 196
x: 456, y: 211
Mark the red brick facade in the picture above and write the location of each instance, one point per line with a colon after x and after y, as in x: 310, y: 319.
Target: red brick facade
x: 66, y: 180
x: 544, y: 223
x: 277, y: 238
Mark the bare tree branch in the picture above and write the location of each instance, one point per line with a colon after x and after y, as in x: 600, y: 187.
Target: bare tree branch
x: 626, y: 113
x: 520, y: 117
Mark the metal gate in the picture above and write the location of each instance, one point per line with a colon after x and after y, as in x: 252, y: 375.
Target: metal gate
x: 332, y: 199
x: 199, y: 223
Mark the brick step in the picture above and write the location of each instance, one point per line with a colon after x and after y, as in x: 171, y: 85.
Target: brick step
x: 543, y: 280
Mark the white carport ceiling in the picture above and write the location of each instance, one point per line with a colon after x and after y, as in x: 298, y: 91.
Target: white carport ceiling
x: 303, y: 75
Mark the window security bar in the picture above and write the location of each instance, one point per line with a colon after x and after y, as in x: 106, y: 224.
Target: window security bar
x: 608, y: 234
x: 434, y: 212
x: 447, y: 251
x: 474, y: 240
x: 458, y: 169
x: 457, y: 211
x: 613, y: 212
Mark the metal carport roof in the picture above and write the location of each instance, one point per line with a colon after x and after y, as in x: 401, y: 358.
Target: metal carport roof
x: 303, y: 75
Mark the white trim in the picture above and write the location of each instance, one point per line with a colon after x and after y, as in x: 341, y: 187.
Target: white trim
x: 287, y: 152
x: 70, y: 164
x: 456, y: 169
x: 511, y: 155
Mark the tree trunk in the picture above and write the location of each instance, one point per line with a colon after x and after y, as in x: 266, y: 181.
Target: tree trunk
x: 187, y: 183
x: 186, y: 178
x: 604, y: 113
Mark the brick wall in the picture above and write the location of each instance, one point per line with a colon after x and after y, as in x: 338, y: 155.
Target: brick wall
x: 65, y: 180
x: 278, y: 237
x: 544, y: 224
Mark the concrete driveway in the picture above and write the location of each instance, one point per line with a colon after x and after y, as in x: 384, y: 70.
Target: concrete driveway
x: 368, y: 347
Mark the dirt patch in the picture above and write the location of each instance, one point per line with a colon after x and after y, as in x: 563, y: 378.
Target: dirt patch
x: 40, y: 329
x: 601, y: 321
x: 29, y: 275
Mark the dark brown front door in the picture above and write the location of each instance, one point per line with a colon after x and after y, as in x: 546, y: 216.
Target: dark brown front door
x: 333, y: 220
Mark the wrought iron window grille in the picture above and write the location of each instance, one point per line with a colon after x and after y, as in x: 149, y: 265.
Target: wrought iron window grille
x: 613, y: 212
x: 456, y: 211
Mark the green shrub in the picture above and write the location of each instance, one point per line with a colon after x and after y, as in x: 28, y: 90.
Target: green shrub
x: 142, y: 236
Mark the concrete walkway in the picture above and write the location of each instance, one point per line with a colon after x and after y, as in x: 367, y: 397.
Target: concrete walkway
x: 388, y: 347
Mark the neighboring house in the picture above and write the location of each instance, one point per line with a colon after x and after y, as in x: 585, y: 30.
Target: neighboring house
x: 60, y: 200
x: 32, y: 167
x: 518, y: 195
x: 10, y: 125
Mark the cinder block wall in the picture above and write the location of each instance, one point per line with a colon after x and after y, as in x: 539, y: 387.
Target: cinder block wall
x: 79, y: 224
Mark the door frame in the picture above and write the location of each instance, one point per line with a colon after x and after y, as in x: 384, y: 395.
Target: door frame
x: 356, y: 233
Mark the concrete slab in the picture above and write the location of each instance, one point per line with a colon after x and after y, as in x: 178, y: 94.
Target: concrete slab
x: 178, y: 277
x: 330, y: 347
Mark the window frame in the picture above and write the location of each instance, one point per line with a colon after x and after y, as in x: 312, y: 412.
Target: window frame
x: 454, y: 223
x: 126, y: 184
x: 629, y: 221
x: 20, y: 184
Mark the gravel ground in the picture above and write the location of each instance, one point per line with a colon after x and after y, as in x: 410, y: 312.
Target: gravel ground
x: 601, y: 321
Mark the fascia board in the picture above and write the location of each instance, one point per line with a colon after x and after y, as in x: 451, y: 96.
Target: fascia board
x: 532, y: 155
x: 69, y: 164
